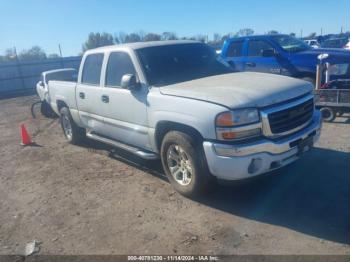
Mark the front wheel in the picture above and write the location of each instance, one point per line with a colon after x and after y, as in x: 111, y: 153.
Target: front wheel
x: 72, y: 132
x: 185, y: 165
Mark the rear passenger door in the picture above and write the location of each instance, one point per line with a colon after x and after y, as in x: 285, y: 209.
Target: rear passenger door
x: 88, y: 93
x: 235, y: 55
x: 256, y: 62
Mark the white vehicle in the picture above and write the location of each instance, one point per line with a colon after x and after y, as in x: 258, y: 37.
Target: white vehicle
x: 175, y: 101
x: 347, y: 46
x: 67, y: 74
x: 313, y: 43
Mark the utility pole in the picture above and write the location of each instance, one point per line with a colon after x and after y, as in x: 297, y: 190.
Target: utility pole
x: 321, y: 31
x: 59, y: 48
x: 19, y: 69
x: 341, y: 30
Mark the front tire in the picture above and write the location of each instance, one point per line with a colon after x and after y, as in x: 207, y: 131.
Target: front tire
x: 72, y: 132
x: 185, y: 165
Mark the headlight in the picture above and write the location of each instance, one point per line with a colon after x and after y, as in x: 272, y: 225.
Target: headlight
x: 238, y: 124
x: 238, y: 117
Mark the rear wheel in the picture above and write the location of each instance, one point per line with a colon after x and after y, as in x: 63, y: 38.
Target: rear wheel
x: 328, y: 114
x: 72, y: 132
x: 185, y: 165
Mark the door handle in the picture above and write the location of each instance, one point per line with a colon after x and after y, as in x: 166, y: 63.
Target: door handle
x: 82, y: 95
x: 105, y: 99
x: 251, y: 64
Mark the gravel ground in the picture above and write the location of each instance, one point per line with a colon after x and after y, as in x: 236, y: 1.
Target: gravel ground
x: 93, y: 199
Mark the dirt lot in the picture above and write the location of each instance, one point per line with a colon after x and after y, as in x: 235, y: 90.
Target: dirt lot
x: 92, y: 199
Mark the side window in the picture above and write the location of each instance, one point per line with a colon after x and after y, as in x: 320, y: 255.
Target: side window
x: 119, y: 64
x: 255, y: 48
x: 92, y: 69
x: 235, y: 49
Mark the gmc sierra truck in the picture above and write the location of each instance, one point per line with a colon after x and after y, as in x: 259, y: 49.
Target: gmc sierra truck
x: 174, y: 100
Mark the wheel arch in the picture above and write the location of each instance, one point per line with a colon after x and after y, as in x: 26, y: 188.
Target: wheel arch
x: 163, y: 127
x: 61, y: 104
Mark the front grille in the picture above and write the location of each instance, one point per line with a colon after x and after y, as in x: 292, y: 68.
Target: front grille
x: 291, y: 118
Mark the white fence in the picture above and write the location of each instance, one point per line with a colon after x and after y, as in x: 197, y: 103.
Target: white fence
x: 20, y: 77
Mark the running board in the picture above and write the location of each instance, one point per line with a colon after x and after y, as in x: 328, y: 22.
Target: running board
x: 134, y: 150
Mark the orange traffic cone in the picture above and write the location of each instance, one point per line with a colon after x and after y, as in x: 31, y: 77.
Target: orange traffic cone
x: 26, y: 140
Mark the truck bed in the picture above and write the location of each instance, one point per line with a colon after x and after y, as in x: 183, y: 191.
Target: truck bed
x: 62, y: 90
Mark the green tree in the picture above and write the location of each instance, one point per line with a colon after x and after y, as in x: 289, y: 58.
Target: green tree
x: 245, y: 32
x: 201, y: 38
x: 132, y: 38
x: 216, y: 38
x: 97, y: 40
x: 34, y: 53
x: 272, y: 32
x: 169, y: 36
x: 53, y: 56
x: 151, y: 37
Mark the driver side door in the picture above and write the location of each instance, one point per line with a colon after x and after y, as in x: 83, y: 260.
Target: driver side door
x: 125, y: 111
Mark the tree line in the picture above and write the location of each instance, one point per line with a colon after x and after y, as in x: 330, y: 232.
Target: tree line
x: 34, y: 53
x: 96, y: 39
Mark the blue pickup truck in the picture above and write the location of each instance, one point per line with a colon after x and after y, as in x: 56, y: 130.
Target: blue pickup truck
x: 282, y: 54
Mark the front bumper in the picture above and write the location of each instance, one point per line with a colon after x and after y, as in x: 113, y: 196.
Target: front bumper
x: 234, y: 162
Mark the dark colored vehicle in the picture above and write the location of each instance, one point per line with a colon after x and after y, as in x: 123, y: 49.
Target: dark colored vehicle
x: 279, y: 54
x: 335, y: 43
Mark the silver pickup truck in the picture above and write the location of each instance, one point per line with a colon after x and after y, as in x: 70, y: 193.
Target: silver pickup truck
x: 174, y: 100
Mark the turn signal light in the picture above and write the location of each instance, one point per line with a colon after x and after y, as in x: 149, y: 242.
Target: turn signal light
x: 224, y: 119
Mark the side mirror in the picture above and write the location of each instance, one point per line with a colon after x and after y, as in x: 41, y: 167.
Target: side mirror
x: 268, y: 53
x: 129, y: 82
x: 41, y: 83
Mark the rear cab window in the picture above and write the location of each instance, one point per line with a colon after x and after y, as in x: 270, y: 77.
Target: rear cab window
x: 92, y: 69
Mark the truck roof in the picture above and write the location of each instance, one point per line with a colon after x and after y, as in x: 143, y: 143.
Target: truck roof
x: 253, y: 36
x: 139, y: 45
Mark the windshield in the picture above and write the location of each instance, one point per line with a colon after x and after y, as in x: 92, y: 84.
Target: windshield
x: 291, y: 44
x: 170, y: 64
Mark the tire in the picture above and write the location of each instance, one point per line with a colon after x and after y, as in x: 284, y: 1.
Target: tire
x: 328, y: 114
x: 185, y: 165
x: 46, y: 110
x: 72, y: 132
x: 310, y: 80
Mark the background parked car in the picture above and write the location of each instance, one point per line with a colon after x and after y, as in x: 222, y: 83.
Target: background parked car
x: 347, y: 46
x: 313, y: 43
x: 279, y: 54
x: 335, y: 43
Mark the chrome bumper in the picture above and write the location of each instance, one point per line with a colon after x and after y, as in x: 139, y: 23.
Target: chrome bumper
x: 235, y: 161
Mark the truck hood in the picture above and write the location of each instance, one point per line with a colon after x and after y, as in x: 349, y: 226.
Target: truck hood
x: 240, y: 90
x: 336, y: 55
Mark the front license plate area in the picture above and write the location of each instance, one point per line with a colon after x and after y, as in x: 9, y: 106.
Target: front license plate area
x: 305, y: 145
